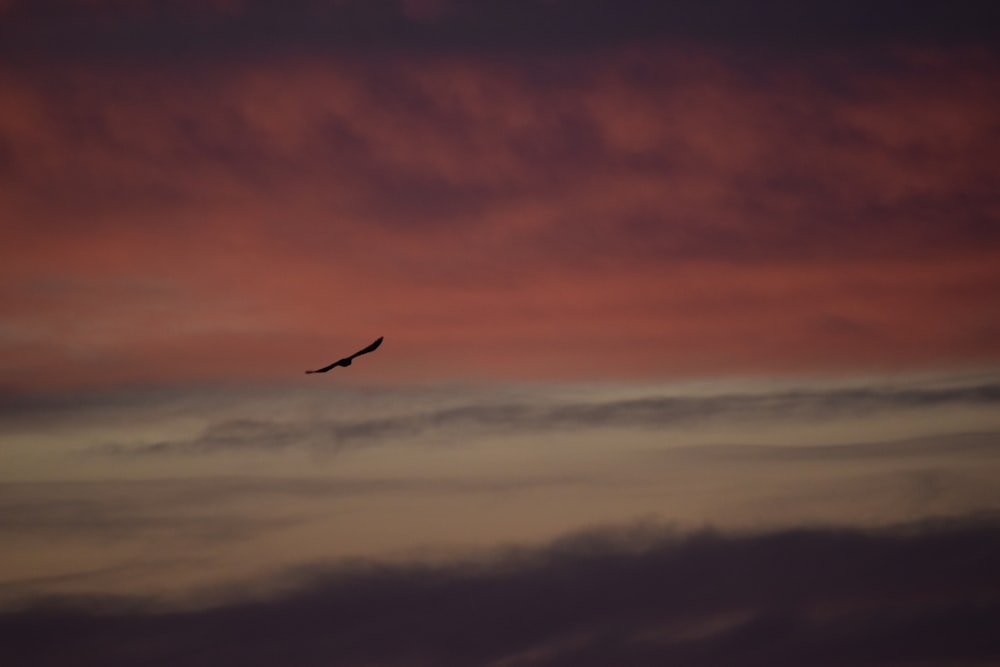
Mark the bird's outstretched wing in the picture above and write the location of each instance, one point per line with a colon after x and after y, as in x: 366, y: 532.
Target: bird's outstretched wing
x: 346, y: 361
x: 370, y: 348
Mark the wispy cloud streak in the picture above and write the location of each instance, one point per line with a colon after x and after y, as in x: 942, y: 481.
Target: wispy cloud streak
x: 655, y: 412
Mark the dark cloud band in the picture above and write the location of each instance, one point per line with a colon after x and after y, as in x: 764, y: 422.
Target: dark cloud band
x: 922, y: 594
x: 172, y: 28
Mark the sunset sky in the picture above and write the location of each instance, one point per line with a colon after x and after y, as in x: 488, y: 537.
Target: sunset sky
x: 691, y: 316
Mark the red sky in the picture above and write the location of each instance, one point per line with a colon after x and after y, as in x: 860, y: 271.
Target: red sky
x: 649, y: 210
x: 625, y: 204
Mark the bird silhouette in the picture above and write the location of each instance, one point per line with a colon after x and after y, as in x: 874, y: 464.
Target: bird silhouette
x: 346, y: 361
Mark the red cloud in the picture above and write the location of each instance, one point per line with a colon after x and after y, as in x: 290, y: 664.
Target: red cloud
x: 645, y: 213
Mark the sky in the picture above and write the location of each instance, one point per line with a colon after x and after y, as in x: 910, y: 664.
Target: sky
x: 692, y: 338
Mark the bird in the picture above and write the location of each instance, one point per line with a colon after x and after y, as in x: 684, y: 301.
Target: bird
x: 346, y: 361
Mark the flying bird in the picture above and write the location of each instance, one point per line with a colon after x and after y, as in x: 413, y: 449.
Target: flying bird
x: 346, y: 361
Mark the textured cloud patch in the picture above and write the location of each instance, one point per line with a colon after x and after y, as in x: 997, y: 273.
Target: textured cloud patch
x: 644, y: 211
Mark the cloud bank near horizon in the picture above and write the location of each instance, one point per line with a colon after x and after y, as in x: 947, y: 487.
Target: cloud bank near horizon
x: 635, y: 596
x: 226, y: 476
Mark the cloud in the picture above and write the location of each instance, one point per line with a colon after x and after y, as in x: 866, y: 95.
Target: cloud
x: 921, y: 593
x: 667, y: 146
x: 116, y: 511
x: 200, y: 511
x: 947, y: 446
x: 677, y: 208
x: 547, y: 415
x: 167, y: 28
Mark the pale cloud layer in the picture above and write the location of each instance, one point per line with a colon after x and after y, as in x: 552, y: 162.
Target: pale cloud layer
x: 231, y: 483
